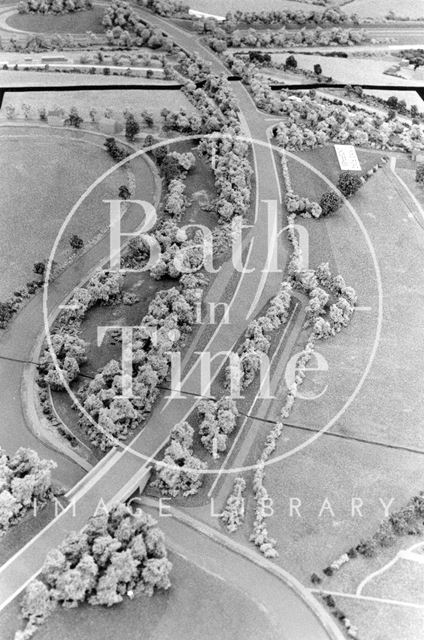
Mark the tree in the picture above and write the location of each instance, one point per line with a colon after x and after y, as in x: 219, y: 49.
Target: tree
x: 291, y: 62
x: 392, y: 102
x: 39, y: 268
x: 419, y: 174
x: 349, y: 183
x: 317, y: 69
x: 36, y: 604
x: 124, y: 192
x: 147, y: 118
x: 9, y: 508
x: 76, y: 242
x: 170, y: 168
x: 131, y: 127
x: 329, y: 203
x: 74, y: 119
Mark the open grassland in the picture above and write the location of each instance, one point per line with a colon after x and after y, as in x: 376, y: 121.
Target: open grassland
x: 372, y: 455
x: 389, y: 407
x: 368, y: 454
x: 402, y: 581
x: 116, y: 100
x: 380, y: 620
x: 351, y: 70
x: 78, y: 22
x: 198, y: 605
x: 44, y: 173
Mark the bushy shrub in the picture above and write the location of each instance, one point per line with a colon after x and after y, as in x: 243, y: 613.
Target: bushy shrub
x: 419, y: 174
x: 179, y: 471
x: 291, y: 62
x: 329, y: 203
x: 114, y: 150
x: 218, y: 421
x: 132, y: 127
x: 234, y: 510
x: 349, y: 183
x: 170, y: 316
x: 24, y: 478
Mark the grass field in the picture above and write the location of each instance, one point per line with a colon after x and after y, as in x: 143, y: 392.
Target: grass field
x: 380, y: 8
x: 365, y: 456
x: 78, y: 22
x: 386, y: 416
x: 55, y: 168
x: 196, y: 607
x: 380, y: 620
x: 348, y: 70
x: 115, y: 99
x: 364, y: 8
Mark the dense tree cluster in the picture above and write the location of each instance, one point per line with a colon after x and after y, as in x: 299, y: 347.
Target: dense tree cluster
x: 228, y: 156
x: 126, y: 28
x: 171, y: 315
x: 419, y: 174
x: 166, y: 8
x: 234, y: 510
x: 218, y: 419
x: 119, y: 553
x: 331, y: 15
x: 24, y: 478
x: 175, y: 201
x: 70, y: 350
x: 181, y: 120
x: 257, y: 339
x: 180, y: 472
x: 310, y: 122
x: 262, y: 38
x: 54, y: 6
x: 182, y: 251
x: 302, y: 206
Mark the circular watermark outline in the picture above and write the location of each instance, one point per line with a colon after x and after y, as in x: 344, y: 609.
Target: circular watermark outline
x: 125, y: 448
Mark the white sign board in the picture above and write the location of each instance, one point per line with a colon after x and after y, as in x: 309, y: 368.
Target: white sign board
x: 347, y: 157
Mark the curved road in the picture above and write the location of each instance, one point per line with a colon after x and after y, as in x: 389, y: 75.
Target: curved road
x: 114, y: 478
x: 17, y: 343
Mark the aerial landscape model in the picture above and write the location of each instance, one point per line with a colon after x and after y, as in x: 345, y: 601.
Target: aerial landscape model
x: 212, y: 319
